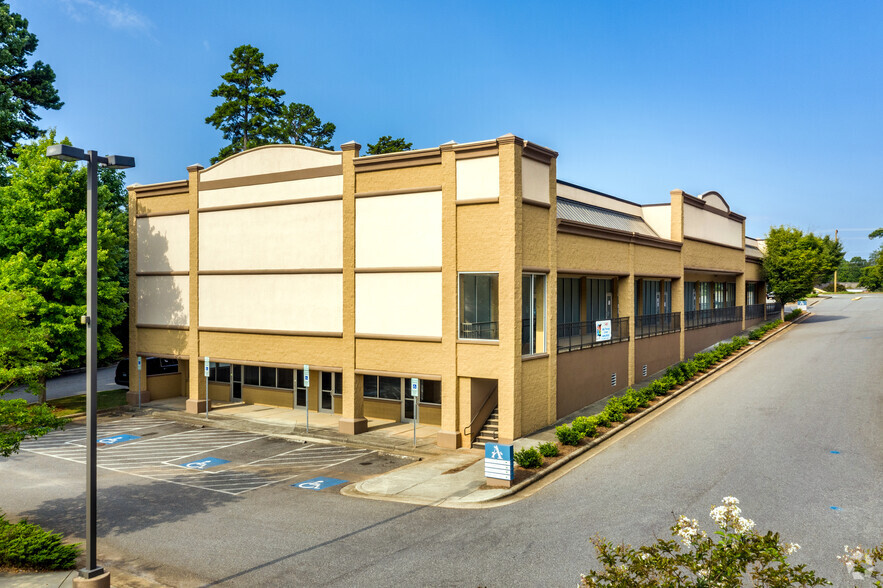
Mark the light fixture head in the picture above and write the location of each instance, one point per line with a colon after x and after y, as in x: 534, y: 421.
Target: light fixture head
x: 120, y: 161
x: 65, y: 153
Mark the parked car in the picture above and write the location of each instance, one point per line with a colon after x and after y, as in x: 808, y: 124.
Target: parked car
x: 150, y: 366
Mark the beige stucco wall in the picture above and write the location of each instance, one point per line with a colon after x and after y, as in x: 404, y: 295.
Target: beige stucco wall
x: 653, y: 261
x: 165, y: 385
x: 270, y: 159
x: 535, y: 235
x: 290, y: 190
x: 478, y: 178
x: 659, y: 219
x: 159, y: 204
x: 408, y: 357
x: 401, y: 230
x: 163, y: 300
x: 399, y: 303
x: 753, y: 272
x: 590, y: 254
x: 707, y: 256
x: 152, y: 341
x: 163, y: 243
x: 259, y: 348
x: 534, y: 180
x: 295, y: 236
x: 535, y: 395
x: 399, y: 179
x: 479, y: 234
x: 286, y: 302
x: 709, y: 226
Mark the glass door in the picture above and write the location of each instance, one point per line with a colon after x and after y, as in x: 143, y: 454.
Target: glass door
x: 326, y: 392
x: 236, y: 384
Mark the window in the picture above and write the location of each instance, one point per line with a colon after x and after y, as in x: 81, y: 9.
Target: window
x: 599, y: 300
x: 478, y: 306
x: 533, y: 314
x: 704, y: 295
x: 720, y: 296
x: 384, y: 387
x: 285, y: 378
x: 338, y: 384
x: 219, y: 372
x: 731, y: 294
x: 652, y: 297
x: 751, y: 293
x: 689, y: 296
x: 268, y: 377
x: 568, y: 300
x: 666, y: 296
x: 251, y: 375
x: 430, y: 392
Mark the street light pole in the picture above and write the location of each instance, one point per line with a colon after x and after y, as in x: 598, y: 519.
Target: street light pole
x: 92, y: 574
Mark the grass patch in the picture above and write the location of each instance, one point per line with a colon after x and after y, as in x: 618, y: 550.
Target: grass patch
x: 76, y: 404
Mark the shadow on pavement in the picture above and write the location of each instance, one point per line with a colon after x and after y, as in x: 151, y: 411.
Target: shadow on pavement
x: 823, y: 318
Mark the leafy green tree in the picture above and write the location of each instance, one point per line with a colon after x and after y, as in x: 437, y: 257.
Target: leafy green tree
x: 386, y: 144
x: 851, y: 271
x: 247, y: 116
x: 43, y: 249
x: 872, y: 274
x: 24, y: 348
x: 23, y: 88
x: 794, y: 261
x: 298, y: 124
x: 18, y: 421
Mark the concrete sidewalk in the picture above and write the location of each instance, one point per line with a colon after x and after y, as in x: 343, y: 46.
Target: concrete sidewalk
x: 38, y: 579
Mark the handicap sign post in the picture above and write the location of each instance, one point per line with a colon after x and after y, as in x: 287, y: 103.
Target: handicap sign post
x: 307, y: 386
x: 499, y: 468
x: 415, y: 393
x: 139, y: 381
x: 206, y: 384
x: 318, y: 483
x: 801, y: 305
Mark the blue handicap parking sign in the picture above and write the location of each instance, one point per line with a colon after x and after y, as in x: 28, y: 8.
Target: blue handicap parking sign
x: 116, y: 439
x: 206, y: 462
x: 319, y: 483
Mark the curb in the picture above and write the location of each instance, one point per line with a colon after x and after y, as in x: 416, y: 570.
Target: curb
x: 663, y: 401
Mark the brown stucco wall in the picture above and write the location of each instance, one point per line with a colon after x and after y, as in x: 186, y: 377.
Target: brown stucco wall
x: 657, y: 352
x: 584, y: 376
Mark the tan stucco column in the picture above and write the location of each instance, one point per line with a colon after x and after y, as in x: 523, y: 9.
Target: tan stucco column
x: 677, y: 306
x: 740, y: 296
x: 352, y: 421
x: 196, y: 389
x: 449, y: 435
x: 509, y: 383
x: 625, y: 296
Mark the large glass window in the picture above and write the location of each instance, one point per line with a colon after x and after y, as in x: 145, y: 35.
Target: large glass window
x: 705, y: 295
x: 268, y: 377
x: 666, y: 296
x: 251, y: 375
x: 479, y: 306
x: 731, y: 294
x: 751, y: 293
x: 568, y: 300
x: 689, y: 296
x: 720, y: 295
x: 385, y: 387
x: 652, y: 297
x: 533, y: 314
x: 285, y: 378
x: 599, y: 300
x: 430, y: 392
x: 219, y: 372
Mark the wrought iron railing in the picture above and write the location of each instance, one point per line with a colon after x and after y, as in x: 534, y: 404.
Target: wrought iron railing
x: 649, y: 325
x: 485, y: 330
x: 697, y: 319
x: 754, y: 311
x: 773, y: 308
x: 573, y: 336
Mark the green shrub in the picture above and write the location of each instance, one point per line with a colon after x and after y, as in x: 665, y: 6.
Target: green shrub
x: 548, y: 449
x: 601, y: 419
x: 755, y: 334
x: 529, y: 457
x: 703, y: 361
x: 642, y: 397
x: 629, y: 401
x: 793, y: 314
x: 567, y: 435
x: 24, y: 545
x: 615, y: 410
x: 585, y: 426
x: 657, y: 388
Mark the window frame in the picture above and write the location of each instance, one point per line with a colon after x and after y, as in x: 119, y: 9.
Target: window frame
x: 533, y: 348
x: 494, y: 306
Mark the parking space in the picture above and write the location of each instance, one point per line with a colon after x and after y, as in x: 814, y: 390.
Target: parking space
x: 219, y: 460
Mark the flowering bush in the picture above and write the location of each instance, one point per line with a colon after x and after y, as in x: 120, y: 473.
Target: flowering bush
x: 861, y: 564
x: 740, y: 554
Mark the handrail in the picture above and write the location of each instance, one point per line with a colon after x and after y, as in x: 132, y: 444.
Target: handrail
x: 467, y: 430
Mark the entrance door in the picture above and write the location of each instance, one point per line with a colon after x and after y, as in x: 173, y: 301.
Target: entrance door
x: 326, y: 393
x: 408, y: 402
x: 236, y: 384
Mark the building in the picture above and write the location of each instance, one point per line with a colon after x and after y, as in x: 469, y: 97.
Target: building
x: 469, y: 267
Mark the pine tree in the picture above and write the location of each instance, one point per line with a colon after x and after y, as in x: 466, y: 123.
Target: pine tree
x: 386, y: 144
x: 22, y: 88
x: 247, y: 117
x: 298, y: 124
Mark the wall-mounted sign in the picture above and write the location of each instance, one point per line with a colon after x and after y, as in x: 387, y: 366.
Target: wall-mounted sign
x: 603, y: 330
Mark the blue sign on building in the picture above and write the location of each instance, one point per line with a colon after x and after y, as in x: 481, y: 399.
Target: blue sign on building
x: 116, y: 439
x: 498, y: 462
x: 204, y: 463
x: 319, y: 483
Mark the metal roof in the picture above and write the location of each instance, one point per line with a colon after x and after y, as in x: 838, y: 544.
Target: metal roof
x: 752, y: 251
x: 602, y: 217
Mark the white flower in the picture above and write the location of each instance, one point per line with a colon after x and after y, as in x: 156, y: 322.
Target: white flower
x: 688, y: 530
x: 791, y: 548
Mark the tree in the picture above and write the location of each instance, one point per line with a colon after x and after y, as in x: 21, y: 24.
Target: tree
x: 23, y: 89
x: 386, y: 144
x: 298, y: 124
x: 24, y: 348
x: 18, y: 421
x: 43, y: 249
x: 851, y: 271
x: 793, y: 262
x: 872, y: 274
x: 248, y: 114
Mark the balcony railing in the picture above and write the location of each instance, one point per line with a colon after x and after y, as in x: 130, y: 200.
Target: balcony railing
x: 754, y: 311
x: 649, y: 325
x: 485, y: 330
x: 773, y: 308
x: 574, y: 336
x: 697, y: 319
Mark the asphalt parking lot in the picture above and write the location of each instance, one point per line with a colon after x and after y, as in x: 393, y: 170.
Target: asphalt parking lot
x: 218, y: 460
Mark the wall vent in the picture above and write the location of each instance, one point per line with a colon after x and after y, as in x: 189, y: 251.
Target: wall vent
x: 613, y: 379
x: 644, y: 370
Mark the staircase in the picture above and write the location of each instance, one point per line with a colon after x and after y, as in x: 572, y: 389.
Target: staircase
x: 489, y: 432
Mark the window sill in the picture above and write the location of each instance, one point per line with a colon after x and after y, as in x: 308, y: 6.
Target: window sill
x: 534, y: 356
x: 382, y: 399
x: 479, y: 341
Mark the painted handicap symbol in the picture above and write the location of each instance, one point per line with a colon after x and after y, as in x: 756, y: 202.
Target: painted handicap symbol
x: 204, y: 463
x: 197, y: 465
x: 116, y: 439
x: 318, y: 483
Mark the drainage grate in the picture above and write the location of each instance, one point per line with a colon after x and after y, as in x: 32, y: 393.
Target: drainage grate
x: 613, y: 379
x: 644, y: 370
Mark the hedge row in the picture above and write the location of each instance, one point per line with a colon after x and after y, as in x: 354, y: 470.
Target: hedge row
x: 618, y: 406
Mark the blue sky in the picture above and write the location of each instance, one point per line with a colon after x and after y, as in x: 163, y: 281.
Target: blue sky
x: 776, y: 105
